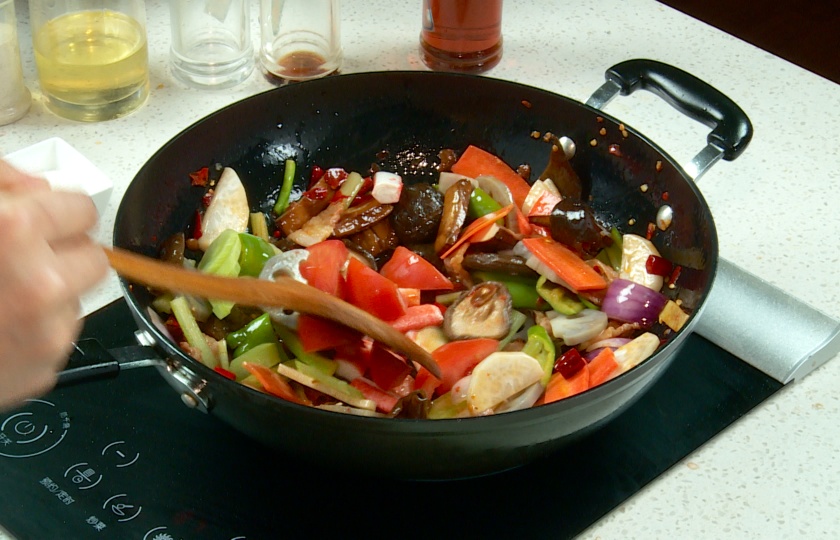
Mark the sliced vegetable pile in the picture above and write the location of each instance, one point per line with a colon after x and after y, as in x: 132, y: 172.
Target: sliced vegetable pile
x: 518, y: 292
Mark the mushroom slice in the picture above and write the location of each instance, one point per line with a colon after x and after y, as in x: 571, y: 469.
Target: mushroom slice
x: 484, y: 311
x: 455, y: 204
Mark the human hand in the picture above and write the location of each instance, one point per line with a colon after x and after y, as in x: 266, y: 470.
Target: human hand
x: 46, y: 262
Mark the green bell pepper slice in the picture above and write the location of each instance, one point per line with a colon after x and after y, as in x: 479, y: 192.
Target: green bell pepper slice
x: 253, y: 255
x: 523, y: 290
x: 558, y: 298
x: 256, y: 332
x: 481, y: 204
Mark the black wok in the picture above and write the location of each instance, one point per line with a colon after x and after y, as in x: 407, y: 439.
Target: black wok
x: 354, y: 120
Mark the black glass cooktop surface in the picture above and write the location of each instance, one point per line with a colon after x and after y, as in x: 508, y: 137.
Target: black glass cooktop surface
x: 124, y: 459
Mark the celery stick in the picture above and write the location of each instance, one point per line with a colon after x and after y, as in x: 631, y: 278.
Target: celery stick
x: 189, y: 326
x: 258, y: 226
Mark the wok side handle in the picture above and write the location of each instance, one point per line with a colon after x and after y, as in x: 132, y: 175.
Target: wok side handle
x: 91, y: 361
x: 731, y: 128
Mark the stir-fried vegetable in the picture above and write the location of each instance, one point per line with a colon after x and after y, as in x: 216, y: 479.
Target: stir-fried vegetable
x: 517, y: 290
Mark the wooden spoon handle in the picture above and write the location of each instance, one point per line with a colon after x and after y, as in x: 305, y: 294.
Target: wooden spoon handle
x: 283, y: 292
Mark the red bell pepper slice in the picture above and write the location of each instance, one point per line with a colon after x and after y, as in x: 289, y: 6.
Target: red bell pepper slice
x: 456, y: 360
x: 560, y: 387
x: 602, y: 367
x: 318, y: 334
x: 565, y: 263
x: 272, y: 382
x: 372, y: 292
x: 322, y: 269
x: 417, y: 317
x: 409, y: 270
x: 544, y: 204
x: 385, y: 401
x: 475, y: 162
x: 386, y: 368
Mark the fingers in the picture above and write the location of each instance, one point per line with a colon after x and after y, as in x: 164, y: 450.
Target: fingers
x: 54, y: 215
x: 14, y: 180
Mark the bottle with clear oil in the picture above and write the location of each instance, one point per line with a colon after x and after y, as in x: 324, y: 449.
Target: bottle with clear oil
x: 92, y: 56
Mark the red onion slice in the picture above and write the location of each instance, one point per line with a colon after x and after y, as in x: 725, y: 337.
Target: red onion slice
x: 628, y: 301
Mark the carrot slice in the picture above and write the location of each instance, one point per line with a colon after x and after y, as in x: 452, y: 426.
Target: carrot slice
x: 476, y: 227
x: 475, y: 162
x: 560, y: 387
x: 565, y: 263
x: 601, y: 367
x: 272, y: 382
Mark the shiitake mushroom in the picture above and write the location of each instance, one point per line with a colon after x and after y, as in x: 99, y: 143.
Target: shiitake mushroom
x: 416, y: 216
x: 484, y: 311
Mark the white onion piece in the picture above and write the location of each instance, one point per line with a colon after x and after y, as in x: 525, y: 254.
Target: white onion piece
x: 634, y: 255
x: 501, y: 194
x: 347, y: 370
x: 634, y: 353
x: 285, y: 264
x: 612, y: 343
x: 459, y: 390
x: 577, y: 328
x: 347, y: 409
x: 448, y: 179
x: 523, y: 400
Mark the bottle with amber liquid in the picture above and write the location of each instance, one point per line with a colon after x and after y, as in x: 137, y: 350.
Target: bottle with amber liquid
x: 461, y: 35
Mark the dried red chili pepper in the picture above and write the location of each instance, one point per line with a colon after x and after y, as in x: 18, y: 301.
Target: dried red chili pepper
x: 196, y: 228
x: 569, y: 363
x: 315, y: 175
x: 200, y: 177
x: 658, y: 266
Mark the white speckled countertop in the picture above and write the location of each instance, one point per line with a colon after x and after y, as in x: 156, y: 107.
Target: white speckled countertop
x: 773, y: 474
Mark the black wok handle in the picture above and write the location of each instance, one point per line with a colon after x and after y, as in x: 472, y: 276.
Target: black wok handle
x: 91, y: 361
x: 732, y: 129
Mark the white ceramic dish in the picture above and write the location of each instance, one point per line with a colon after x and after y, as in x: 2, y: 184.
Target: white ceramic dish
x: 64, y: 167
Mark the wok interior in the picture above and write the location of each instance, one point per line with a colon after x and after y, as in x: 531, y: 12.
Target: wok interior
x: 401, y: 121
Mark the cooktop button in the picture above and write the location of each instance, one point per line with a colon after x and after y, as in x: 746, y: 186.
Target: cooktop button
x: 123, y: 456
x: 35, y: 428
x: 158, y: 533
x: 122, y: 508
x: 83, y: 476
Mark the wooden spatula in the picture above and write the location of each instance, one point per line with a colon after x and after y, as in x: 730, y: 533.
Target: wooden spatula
x: 283, y: 292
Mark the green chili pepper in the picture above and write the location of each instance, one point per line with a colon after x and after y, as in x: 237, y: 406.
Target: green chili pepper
x: 255, y: 251
x: 523, y: 290
x: 286, y: 189
x: 256, y: 332
x: 540, y: 346
x: 614, y: 251
x: 481, y: 203
x: 557, y: 297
